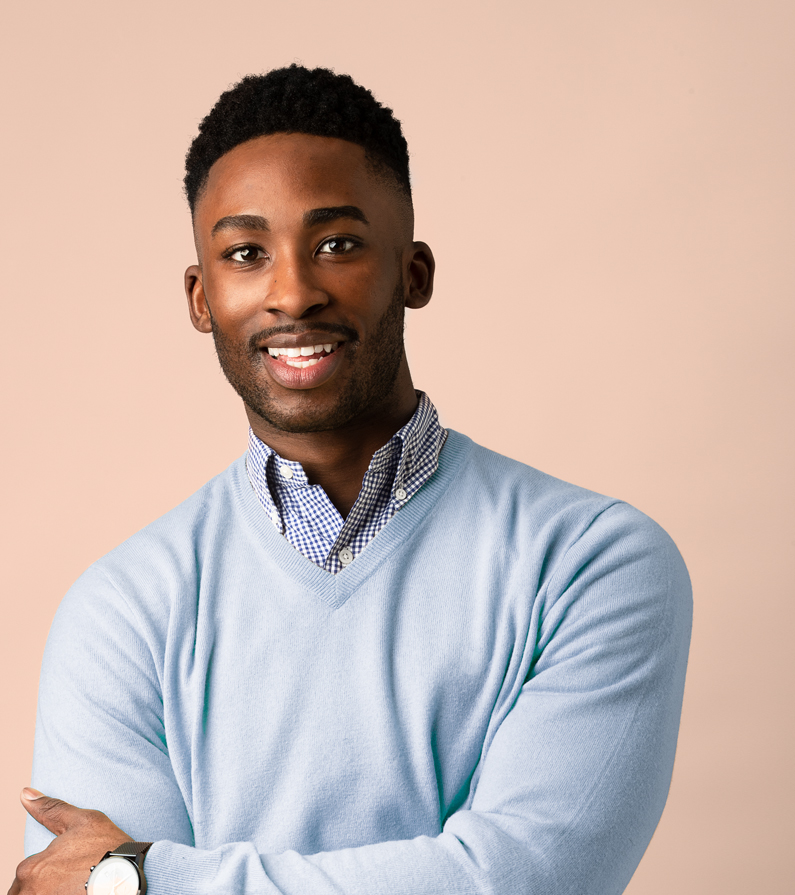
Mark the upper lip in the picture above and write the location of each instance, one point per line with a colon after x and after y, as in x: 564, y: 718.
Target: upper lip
x: 303, y: 340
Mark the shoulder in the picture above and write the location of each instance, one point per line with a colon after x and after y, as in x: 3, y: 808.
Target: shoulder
x: 144, y: 576
x: 569, y: 525
x: 495, y: 473
x: 184, y: 529
x: 501, y: 486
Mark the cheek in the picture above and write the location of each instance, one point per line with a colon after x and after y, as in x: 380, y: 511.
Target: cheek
x: 233, y: 302
x: 367, y: 291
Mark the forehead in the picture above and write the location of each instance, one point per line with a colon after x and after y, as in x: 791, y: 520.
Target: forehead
x: 280, y: 171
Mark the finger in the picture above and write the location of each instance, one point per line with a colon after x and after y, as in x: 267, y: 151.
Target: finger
x: 24, y: 875
x: 53, y: 814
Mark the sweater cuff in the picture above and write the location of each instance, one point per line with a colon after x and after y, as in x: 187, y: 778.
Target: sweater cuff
x: 174, y: 869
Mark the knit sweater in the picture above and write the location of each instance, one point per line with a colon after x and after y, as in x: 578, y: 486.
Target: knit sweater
x: 485, y: 701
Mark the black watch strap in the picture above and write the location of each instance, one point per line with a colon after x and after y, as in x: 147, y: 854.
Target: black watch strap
x: 132, y: 850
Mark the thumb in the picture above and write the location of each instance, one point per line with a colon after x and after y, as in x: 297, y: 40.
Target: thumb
x: 53, y: 814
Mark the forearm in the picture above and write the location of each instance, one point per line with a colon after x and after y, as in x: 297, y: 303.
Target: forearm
x: 476, y: 854
x: 422, y: 865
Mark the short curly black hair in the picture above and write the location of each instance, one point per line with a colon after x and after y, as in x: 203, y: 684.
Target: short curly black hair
x: 295, y: 99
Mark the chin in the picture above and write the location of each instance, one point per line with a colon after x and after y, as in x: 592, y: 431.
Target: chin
x: 303, y: 421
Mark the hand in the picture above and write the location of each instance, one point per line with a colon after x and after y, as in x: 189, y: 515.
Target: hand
x: 82, y: 839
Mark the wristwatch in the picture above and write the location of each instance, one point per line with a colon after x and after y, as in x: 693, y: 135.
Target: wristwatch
x: 120, y: 872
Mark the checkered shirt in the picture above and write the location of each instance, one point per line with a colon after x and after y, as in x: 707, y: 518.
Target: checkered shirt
x: 304, y: 514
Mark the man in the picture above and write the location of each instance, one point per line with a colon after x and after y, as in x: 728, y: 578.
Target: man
x: 371, y: 656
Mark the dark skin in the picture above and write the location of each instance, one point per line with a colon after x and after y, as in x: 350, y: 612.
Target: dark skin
x: 276, y: 273
x: 82, y: 838
x: 313, y: 281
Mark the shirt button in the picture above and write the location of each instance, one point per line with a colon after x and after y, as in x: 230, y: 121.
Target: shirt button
x: 400, y: 493
x: 346, y: 556
x: 286, y: 472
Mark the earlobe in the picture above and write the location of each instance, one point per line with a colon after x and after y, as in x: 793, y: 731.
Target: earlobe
x: 197, y: 302
x: 420, y: 276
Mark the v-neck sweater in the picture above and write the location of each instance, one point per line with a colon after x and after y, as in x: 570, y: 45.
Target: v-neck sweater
x: 485, y: 701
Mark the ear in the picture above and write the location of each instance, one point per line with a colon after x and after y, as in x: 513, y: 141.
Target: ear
x: 420, y: 275
x: 197, y: 302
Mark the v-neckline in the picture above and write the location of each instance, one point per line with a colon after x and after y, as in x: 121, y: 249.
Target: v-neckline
x: 335, y: 589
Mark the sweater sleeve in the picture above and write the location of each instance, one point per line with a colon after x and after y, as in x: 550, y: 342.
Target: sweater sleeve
x: 565, y: 798
x: 572, y: 785
x: 100, y: 732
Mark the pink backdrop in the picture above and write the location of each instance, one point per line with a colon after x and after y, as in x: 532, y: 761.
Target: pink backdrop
x: 609, y: 190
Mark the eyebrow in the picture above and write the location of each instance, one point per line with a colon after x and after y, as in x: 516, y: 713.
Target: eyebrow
x: 311, y: 218
x: 333, y: 213
x: 240, y: 222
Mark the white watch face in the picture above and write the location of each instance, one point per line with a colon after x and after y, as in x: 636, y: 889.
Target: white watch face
x: 113, y: 876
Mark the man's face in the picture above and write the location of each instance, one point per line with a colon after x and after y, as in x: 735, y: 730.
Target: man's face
x: 305, y: 251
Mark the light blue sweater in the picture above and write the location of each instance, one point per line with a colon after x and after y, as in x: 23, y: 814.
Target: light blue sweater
x: 485, y: 701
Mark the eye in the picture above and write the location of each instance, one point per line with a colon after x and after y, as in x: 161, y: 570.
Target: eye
x: 246, y: 254
x: 337, y: 245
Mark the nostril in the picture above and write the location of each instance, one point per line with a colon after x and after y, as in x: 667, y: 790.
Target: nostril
x: 313, y: 309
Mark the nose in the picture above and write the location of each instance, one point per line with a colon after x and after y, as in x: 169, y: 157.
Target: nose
x: 293, y: 290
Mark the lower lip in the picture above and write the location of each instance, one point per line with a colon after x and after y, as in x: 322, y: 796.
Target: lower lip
x: 303, y: 377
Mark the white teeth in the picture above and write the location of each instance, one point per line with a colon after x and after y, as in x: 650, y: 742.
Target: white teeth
x: 305, y: 351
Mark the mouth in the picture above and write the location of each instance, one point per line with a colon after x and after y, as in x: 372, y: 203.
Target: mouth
x: 305, y: 356
x: 296, y: 366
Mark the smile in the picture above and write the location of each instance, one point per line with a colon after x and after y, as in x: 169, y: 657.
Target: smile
x: 309, y: 354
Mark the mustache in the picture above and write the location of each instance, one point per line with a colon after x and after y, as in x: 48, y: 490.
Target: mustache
x: 333, y: 329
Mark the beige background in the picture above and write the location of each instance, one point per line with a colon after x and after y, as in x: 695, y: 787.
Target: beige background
x: 609, y: 190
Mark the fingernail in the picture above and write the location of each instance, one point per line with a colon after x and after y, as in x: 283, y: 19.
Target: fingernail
x: 32, y: 794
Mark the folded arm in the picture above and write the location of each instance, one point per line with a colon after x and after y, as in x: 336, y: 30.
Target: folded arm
x: 566, y: 796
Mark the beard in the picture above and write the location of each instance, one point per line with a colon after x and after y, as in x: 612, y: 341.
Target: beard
x: 372, y: 370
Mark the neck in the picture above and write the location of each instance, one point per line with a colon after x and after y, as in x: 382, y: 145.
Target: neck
x: 337, y: 459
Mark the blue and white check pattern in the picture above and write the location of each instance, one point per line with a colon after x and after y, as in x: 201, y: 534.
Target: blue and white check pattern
x: 304, y: 514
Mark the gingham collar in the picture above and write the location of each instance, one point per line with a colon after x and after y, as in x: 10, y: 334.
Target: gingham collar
x: 304, y: 514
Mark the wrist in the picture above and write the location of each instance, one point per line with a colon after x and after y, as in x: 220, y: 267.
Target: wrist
x: 120, y: 872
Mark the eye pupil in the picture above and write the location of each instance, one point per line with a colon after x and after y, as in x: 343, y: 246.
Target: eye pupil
x: 245, y: 254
